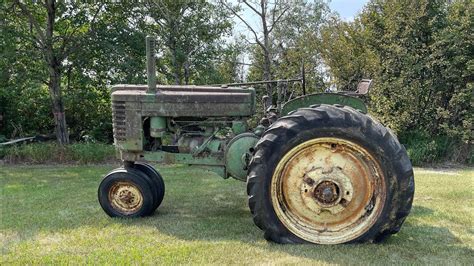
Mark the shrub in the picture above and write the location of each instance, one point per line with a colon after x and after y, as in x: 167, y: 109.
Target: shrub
x: 51, y: 152
x: 424, y: 149
x: 91, y: 152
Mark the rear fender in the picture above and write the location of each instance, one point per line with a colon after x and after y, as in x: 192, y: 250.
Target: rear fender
x: 323, y: 98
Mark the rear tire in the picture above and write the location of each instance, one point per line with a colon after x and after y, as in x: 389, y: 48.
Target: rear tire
x: 329, y: 175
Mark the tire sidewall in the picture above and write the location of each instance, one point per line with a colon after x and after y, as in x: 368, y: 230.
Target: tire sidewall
x: 156, y: 179
x: 125, y: 176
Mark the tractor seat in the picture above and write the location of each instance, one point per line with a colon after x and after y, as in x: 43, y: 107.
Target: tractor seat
x: 363, y: 88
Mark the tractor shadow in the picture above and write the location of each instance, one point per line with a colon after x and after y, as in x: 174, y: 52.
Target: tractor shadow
x: 232, y: 222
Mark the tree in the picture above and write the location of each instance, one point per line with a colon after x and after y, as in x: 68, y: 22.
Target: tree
x: 391, y: 42
x: 24, y: 102
x: 109, y: 50
x: 269, y: 15
x: 346, y: 53
x: 453, y: 59
x: 401, y: 34
x: 420, y: 56
x: 229, y: 65
x: 192, y: 32
x: 297, y: 41
x: 56, y: 31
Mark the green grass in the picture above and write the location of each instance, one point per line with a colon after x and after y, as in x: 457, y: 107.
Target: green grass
x: 50, y: 215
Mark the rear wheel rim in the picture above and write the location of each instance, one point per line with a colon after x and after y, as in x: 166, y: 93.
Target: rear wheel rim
x: 328, y: 190
x: 125, y: 197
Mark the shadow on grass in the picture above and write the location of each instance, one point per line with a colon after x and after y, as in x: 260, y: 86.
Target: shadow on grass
x: 196, y: 208
x: 415, y: 243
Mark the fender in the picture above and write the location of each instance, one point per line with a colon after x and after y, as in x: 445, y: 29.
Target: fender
x: 323, y: 98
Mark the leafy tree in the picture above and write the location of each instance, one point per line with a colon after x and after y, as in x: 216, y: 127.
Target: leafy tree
x: 420, y: 55
x: 55, y: 31
x: 269, y: 16
x: 192, y: 31
x: 229, y: 63
x: 294, y: 42
x: 346, y: 53
x: 453, y: 61
x: 114, y: 53
x: 402, y: 35
x: 101, y: 52
x: 22, y: 96
x: 297, y: 41
x: 111, y: 51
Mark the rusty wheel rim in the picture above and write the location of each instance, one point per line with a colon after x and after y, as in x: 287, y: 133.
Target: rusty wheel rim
x: 328, y: 190
x: 125, y: 197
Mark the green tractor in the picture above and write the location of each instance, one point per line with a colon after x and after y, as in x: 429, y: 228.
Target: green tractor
x: 318, y: 168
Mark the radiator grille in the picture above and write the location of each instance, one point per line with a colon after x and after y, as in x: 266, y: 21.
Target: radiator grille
x: 118, y: 119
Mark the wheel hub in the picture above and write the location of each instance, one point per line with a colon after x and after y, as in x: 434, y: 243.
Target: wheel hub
x: 326, y: 193
x: 328, y: 187
x: 125, y: 197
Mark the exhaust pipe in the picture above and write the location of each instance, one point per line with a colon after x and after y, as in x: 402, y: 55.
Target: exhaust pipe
x: 151, y: 64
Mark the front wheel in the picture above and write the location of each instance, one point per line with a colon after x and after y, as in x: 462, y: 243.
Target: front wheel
x: 329, y: 175
x: 126, y: 193
x: 158, y: 182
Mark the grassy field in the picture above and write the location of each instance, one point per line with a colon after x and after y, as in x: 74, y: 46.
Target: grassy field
x: 50, y: 214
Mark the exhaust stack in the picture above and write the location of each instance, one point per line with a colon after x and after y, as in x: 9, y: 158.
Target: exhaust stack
x: 151, y: 64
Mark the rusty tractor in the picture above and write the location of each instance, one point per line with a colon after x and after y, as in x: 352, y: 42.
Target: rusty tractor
x: 318, y: 168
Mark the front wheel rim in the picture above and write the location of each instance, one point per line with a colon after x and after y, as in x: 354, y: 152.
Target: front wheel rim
x: 328, y: 190
x: 125, y: 197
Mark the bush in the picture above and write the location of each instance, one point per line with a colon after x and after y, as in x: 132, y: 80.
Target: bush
x: 77, y: 153
x: 424, y: 149
x: 91, y: 152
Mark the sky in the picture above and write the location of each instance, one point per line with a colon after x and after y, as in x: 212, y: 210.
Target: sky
x: 347, y: 8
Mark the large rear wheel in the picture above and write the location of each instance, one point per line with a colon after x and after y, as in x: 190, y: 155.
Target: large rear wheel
x: 329, y: 175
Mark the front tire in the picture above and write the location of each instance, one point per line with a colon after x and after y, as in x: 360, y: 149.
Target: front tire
x: 156, y: 178
x: 329, y: 175
x: 126, y: 193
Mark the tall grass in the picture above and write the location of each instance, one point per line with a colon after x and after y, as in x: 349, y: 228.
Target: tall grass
x: 40, y: 153
x: 423, y: 149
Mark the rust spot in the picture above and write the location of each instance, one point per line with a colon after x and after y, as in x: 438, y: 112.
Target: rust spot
x: 344, y: 202
x: 308, y: 181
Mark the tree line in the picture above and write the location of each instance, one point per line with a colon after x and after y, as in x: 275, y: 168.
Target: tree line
x: 59, y: 59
